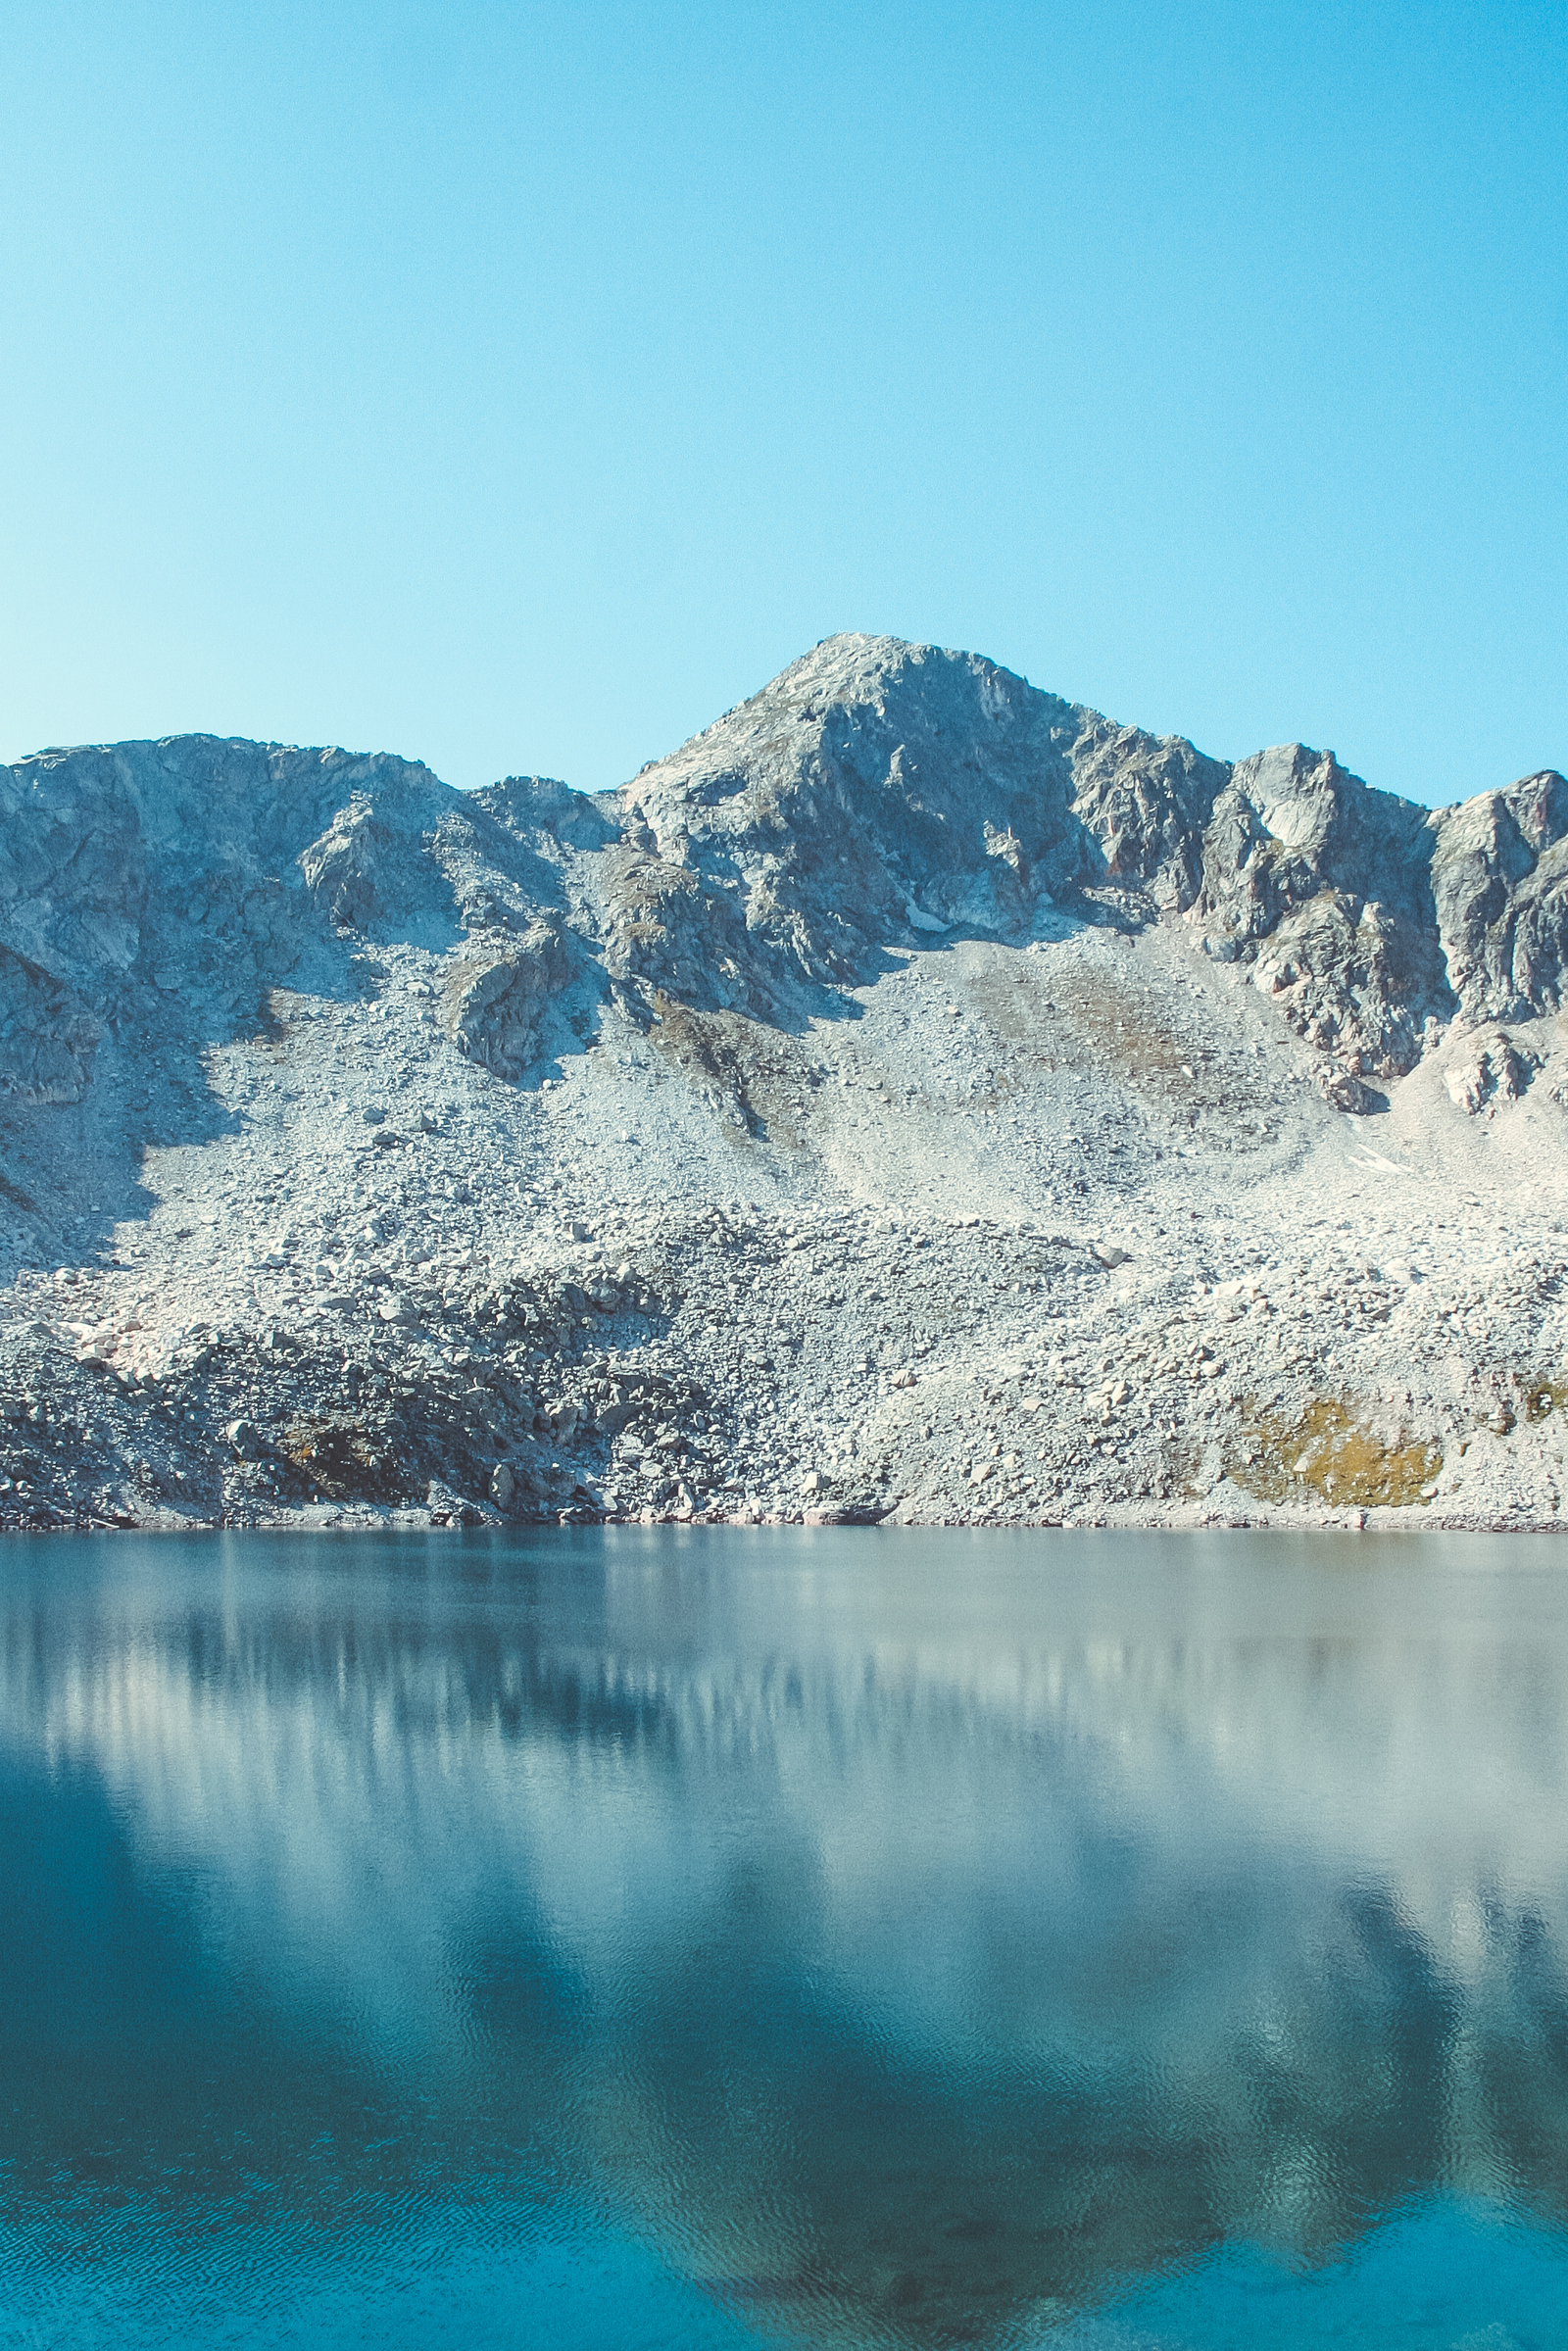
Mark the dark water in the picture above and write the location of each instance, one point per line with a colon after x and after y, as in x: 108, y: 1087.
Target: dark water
x: 831, y: 1938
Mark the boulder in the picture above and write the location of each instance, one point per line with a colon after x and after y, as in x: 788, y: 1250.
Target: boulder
x: 493, y: 1002
x: 1496, y: 1070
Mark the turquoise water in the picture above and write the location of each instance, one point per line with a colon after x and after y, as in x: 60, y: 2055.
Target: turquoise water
x: 656, y: 1938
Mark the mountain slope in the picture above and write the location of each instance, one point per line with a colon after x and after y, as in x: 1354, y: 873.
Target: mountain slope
x: 908, y: 1037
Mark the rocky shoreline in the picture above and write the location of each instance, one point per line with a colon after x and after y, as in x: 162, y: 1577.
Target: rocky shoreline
x: 831, y: 1368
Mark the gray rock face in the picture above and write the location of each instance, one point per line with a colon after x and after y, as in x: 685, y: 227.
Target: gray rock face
x: 535, y: 807
x: 48, y: 1037
x: 879, y: 792
x: 1496, y: 1070
x: 1500, y: 868
x: 73, y: 865
x: 1321, y: 889
x: 874, y: 795
x: 179, y: 881
x: 874, y: 791
x: 1147, y: 801
x: 188, y: 867
x: 366, y: 873
x: 493, y: 1002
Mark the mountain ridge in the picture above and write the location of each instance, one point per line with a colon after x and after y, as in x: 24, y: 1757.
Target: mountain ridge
x: 233, y: 972
x: 952, y: 795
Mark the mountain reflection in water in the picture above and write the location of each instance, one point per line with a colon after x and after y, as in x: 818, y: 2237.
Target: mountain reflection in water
x: 902, y: 1937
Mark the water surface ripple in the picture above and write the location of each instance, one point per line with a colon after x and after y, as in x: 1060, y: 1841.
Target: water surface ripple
x: 638, y: 1938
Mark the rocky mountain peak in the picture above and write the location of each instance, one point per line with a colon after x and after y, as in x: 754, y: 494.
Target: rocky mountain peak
x: 872, y: 788
x: 874, y: 795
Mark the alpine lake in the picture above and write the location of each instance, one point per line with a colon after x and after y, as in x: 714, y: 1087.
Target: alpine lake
x: 614, y: 1938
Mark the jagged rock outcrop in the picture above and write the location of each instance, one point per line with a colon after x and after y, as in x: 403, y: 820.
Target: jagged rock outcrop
x: 493, y: 1003
x: 179, y: 880
x: 874, y: 791
x: 1322, y: 889
x: 1499, y: 880
x: 73, y: 865
x: 48, y: 1037
x: 1147, y: 801
x: 1492, y: 1070
x: 365, y: 873
x: 1372, y: 921
x: 537, y: 809
x: 198, y: 869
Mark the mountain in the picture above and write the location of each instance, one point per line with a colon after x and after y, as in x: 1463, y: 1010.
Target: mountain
x: 916, y: 1096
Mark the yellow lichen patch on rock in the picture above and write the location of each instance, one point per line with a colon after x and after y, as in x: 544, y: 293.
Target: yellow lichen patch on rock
x: 1332, y: 1452
x: 1543, y: 1396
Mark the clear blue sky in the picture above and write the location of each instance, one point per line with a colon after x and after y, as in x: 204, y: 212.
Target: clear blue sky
x: 518, y: 386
